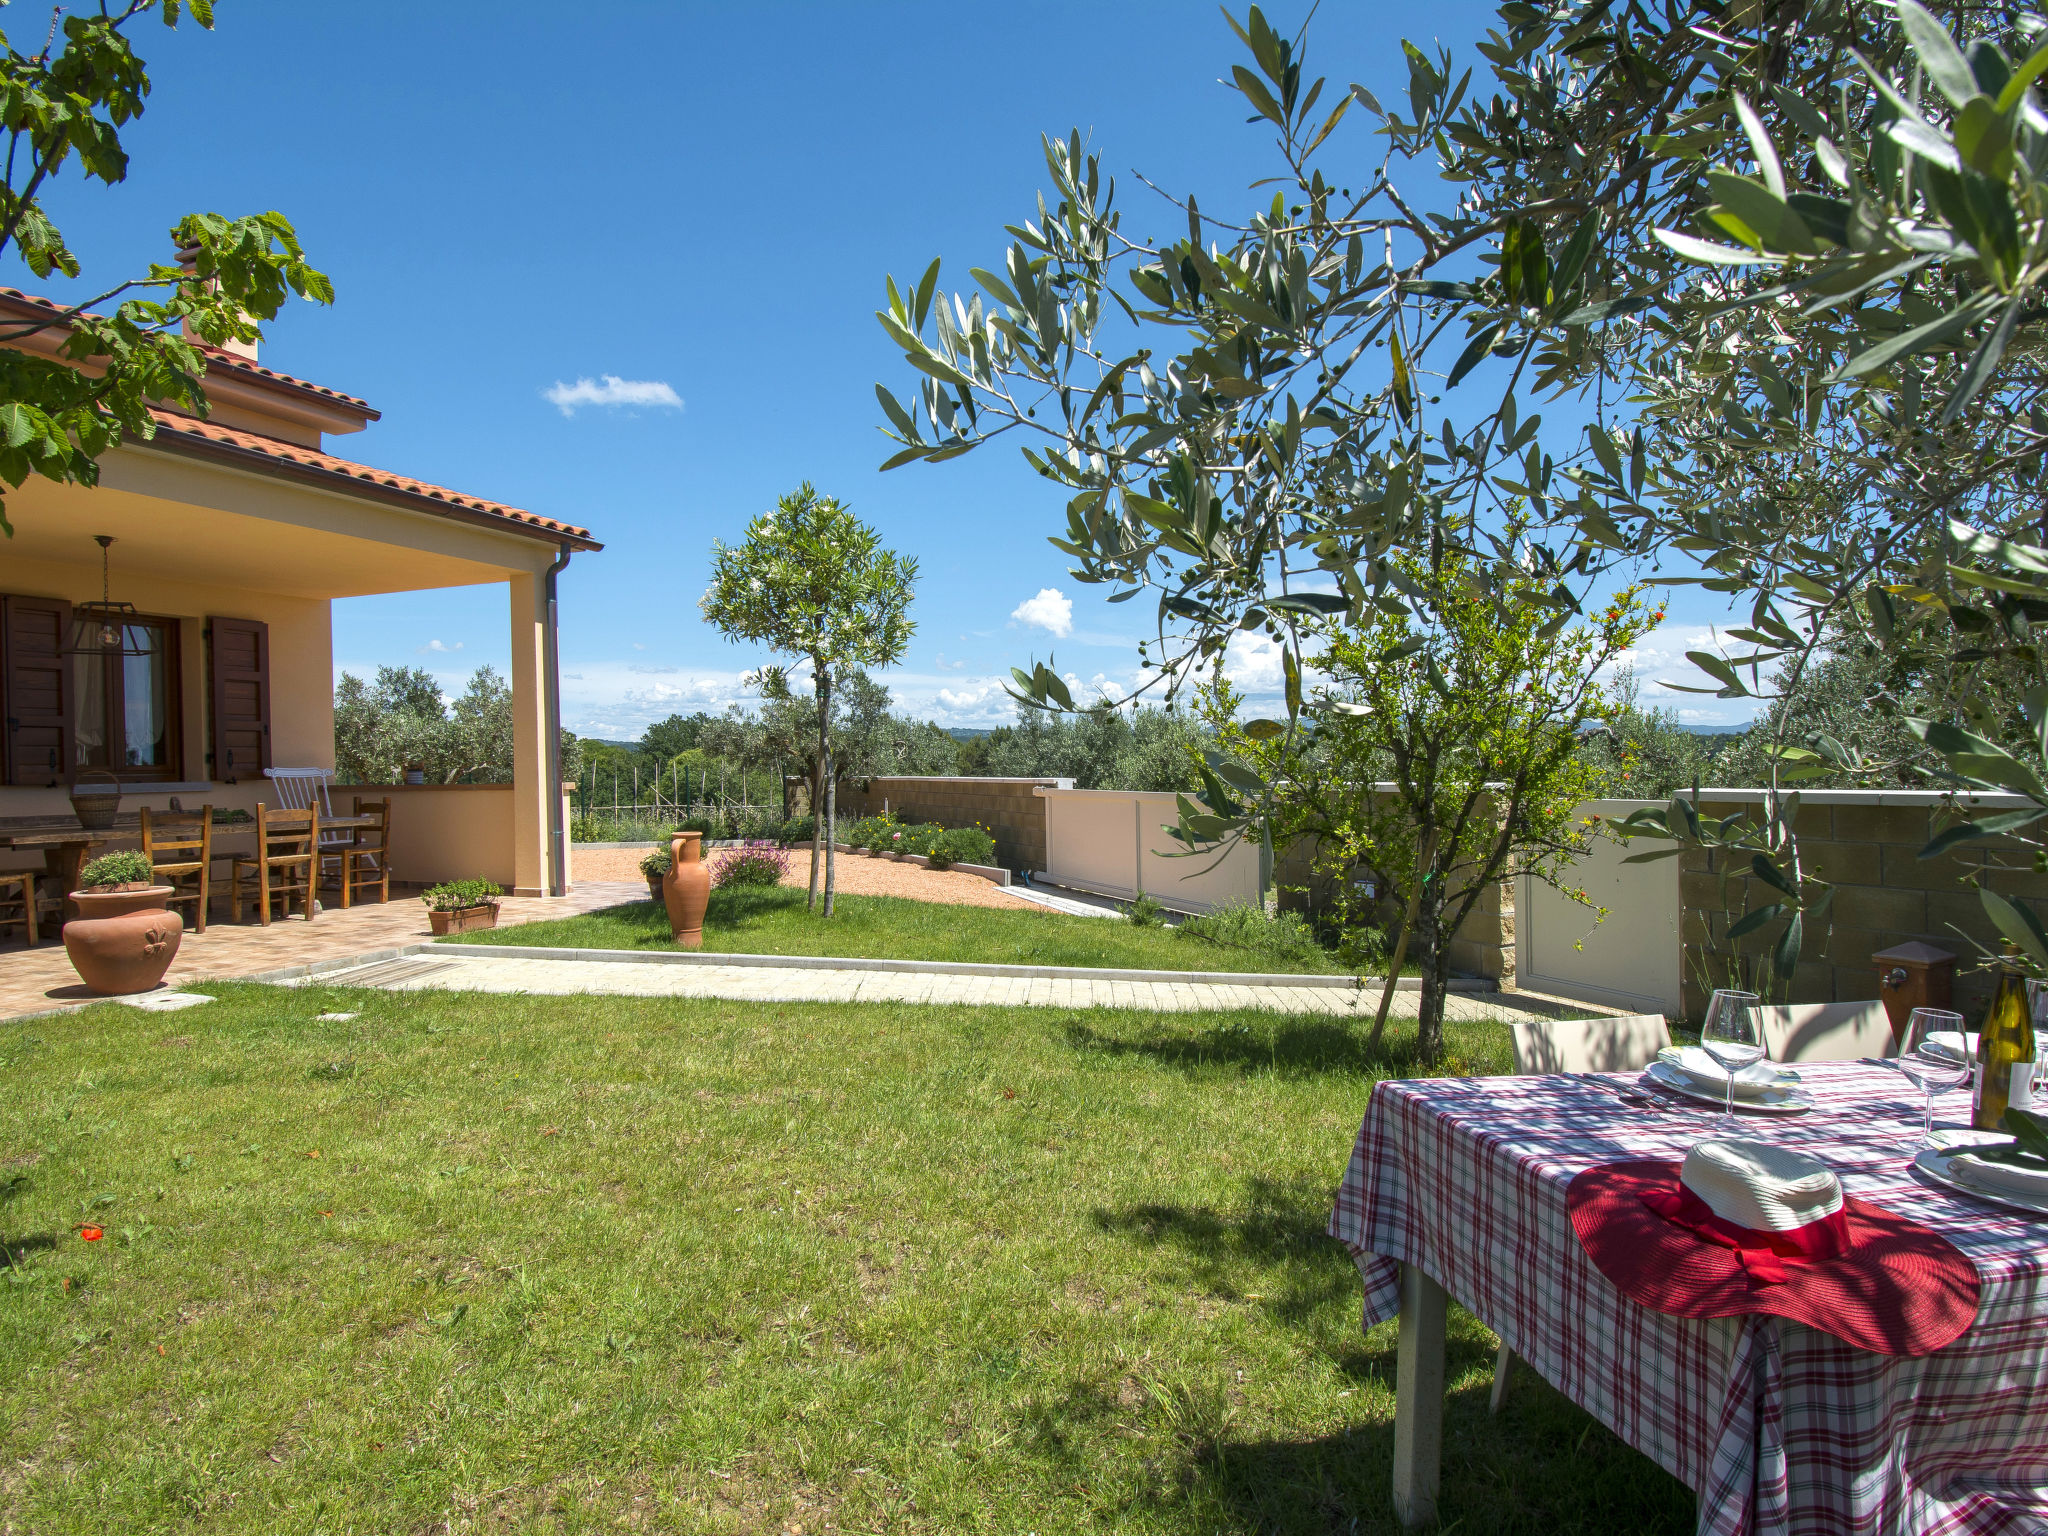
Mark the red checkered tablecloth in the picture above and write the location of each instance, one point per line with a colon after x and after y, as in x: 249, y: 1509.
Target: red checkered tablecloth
x: 1783, y: 1430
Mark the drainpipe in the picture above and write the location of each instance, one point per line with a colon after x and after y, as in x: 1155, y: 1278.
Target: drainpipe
x: 551, y: 690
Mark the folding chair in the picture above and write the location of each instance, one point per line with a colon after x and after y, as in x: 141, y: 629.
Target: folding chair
x: 187, y: 838
x: 304, y: 789
x: 1827, y: 1031
x: 284, y: 864
x: 1624, y: 1043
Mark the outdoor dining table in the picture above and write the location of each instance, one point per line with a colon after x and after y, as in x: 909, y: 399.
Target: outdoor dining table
x: 1456, y: 1187
x: 65, y: 841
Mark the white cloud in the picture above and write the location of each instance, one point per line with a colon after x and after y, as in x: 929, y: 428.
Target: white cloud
x: 949, y: 666
x: 1659, y: 658
x: 959, y: 700
x: 436, y: 647
x: 611, y: 390
x: 1050, y: 610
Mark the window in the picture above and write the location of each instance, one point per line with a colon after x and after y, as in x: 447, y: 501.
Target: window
x: 126, y: 701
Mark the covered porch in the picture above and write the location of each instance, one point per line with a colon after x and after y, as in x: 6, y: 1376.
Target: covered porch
x: 229, y: 546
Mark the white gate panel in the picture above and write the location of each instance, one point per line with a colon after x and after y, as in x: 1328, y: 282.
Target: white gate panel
x: 1631, y: 959
x: 1112, y: 842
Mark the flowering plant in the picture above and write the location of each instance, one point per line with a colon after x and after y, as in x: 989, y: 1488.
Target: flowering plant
x: 754, y: 863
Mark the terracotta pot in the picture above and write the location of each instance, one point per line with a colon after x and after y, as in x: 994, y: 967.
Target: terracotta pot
x: 129, y: 948
x: 686, y: 889
x: 445, y: 920
x: 654, y: 888
x: 119, y: 900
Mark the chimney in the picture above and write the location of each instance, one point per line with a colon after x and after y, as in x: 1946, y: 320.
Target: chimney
x: 188, y: 258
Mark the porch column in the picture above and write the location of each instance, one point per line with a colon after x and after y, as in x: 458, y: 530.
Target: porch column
x: 530, y: 787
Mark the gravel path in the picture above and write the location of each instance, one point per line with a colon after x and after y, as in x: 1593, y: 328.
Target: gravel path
x: 859, y: 875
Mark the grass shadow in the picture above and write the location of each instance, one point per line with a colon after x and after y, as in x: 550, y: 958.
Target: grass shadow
x: 1280, y: 1231
x: 1290, y: 1044
x: 1498, y: 1475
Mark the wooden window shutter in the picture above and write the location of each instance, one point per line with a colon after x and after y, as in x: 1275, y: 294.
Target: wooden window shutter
x: 241, y: 698
x: 35, y: 679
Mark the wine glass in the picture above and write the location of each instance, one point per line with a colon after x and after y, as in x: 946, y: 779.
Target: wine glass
x: 1733, y: 1035
x: 1931, y: 1066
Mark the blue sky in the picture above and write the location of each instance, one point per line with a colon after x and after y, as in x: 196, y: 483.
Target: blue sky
x: 701, y: 201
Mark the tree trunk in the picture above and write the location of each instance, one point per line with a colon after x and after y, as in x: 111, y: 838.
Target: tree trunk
x: 820, y: 848
x: 1433, y: 955
x: 831, y: 788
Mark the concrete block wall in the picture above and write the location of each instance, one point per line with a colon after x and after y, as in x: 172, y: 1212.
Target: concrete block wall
x: 1868, y: 844
x: 1013, y: 815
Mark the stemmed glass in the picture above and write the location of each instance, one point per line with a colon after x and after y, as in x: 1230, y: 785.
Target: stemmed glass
x: 1733, y: 1035
x: 1931, y: 1066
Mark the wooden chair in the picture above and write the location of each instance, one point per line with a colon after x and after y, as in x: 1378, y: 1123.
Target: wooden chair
x: 1625, y: 1043
x: 180, y: 849
x: 1827, y: 1032
x: 364, y: 863
x: 18, y: 909
x: 284, y: 864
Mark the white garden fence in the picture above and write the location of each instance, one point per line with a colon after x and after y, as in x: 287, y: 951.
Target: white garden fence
x: 1112, y: 842
x: 1628, y: 960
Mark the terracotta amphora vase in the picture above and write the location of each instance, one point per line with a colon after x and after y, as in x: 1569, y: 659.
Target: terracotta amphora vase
x: 686, y: 888
x: 126, y: 939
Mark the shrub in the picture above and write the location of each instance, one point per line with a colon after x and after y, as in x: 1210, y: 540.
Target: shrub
x: 702, y: 824
x: 874, y: 833
x: 962, y: 845
x: 128, y: 867
x: 656, y: 864
x: 799, y: 829
x: 451, y: 894
x: 1145, y: 912
x: 919, y: 839
x: 1242, y: 925
x: 754, y: 864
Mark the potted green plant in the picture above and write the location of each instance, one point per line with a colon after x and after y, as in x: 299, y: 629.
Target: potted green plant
x: 125, y: 937
x: 654, y: 867
x: 458, y: 906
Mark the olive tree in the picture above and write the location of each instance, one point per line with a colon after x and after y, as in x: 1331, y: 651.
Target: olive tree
x: 812, y: 582
x: 1778, y: 266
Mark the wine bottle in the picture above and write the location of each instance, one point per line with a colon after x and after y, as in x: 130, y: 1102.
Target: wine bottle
x: 2005, y: 1050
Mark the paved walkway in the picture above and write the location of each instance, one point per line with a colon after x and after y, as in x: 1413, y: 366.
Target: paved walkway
x: 36, y: 980
x: 787, y: 984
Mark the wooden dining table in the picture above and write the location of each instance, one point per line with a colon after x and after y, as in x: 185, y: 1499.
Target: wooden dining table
x: 66, y: 842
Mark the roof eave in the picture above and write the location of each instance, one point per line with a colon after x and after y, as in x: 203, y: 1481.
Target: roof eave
x: 191, y: 446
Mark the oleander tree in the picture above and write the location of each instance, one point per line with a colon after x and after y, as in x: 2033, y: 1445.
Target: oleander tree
x: 812, y: 582
x: 62, y: 109
x: 1748, y: 295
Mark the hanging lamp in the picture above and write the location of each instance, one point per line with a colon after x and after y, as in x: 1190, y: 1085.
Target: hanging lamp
x: 103, y: 627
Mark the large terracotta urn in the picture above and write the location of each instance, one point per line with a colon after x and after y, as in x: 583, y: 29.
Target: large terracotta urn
x: 126, y: 938
x: 686, y: 888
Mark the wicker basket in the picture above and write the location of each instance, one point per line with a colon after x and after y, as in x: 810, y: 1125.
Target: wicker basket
x: 96, y: 808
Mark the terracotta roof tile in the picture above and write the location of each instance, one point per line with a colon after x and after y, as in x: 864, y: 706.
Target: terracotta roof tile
x: 313, y: 459
x: 217, y: 358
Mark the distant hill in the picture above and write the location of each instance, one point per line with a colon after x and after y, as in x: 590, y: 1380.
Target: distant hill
x: 969, y: 732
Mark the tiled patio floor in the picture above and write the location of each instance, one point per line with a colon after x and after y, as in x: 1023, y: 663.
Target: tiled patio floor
x: 35, y: 980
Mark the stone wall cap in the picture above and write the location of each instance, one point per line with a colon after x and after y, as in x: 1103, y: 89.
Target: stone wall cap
x: 1928, y: 798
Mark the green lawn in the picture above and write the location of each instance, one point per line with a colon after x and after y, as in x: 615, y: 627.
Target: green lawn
x: 476, y: 1263
x: 775, y: 921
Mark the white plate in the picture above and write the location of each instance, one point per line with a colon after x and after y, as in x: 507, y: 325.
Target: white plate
x: 1933, y: 1165
x: 1773, y: 1101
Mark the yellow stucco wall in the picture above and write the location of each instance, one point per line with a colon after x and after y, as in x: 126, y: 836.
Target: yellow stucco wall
x: 301, y: 662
